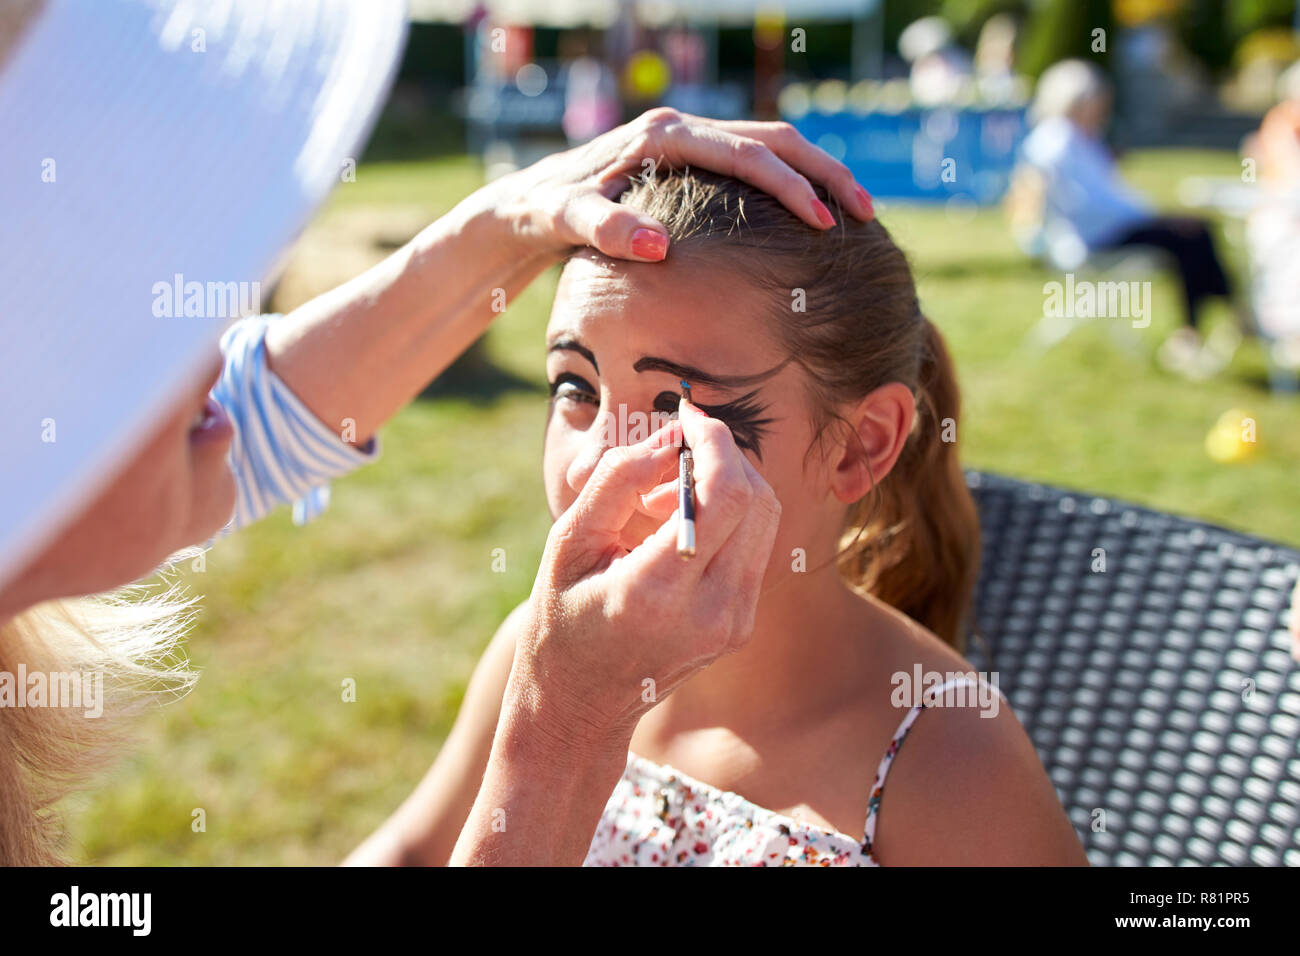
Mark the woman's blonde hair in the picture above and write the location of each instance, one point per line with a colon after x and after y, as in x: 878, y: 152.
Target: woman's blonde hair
x: 127, y: 644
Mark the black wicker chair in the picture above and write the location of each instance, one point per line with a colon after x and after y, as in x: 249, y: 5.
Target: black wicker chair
x: 1159, y: 692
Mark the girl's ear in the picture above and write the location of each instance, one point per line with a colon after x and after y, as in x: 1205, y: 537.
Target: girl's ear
x: 880, y: 424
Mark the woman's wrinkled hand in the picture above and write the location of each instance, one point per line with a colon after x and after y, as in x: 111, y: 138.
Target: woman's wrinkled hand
x: 611, y: 631
x: 568, y: 199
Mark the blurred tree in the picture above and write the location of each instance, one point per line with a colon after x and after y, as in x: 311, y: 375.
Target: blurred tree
x: 435, y: 53
x: 1247, y: 16
x: 897, y: 17
x: 736, y: 53
x: 1202, y: 27
x: 1062, y: 29
x: 828, y: 54
x: 967, y: 17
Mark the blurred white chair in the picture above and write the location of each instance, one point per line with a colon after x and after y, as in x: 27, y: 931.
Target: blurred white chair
x: 1043, y: 233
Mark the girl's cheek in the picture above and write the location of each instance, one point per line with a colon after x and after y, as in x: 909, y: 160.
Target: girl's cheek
x: 557, y: 455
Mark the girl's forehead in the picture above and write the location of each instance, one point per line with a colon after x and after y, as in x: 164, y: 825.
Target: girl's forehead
x: 642, y: 304
x: 586, y: 288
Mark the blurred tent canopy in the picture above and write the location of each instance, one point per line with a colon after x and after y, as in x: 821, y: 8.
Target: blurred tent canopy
x: 604, y: 13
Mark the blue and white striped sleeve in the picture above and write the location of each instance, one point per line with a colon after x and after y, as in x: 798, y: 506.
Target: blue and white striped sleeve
x: 281, y: 451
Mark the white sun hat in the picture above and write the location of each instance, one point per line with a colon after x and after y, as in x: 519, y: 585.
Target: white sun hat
x: 157, y: 157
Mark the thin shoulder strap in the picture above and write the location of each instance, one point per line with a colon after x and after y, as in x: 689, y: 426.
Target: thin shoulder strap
x: 878, y: 787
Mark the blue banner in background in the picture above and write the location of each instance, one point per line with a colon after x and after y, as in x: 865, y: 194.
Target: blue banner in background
x: 934, y: 154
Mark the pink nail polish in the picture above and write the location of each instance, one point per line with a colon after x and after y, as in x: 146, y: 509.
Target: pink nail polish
x: 865, y: 198
x: 648, y: 244
x: 822, y: 213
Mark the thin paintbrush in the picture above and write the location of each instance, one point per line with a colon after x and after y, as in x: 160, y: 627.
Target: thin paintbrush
x: 686, y: 493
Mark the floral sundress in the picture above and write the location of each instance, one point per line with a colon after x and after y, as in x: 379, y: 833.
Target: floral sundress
x: 659, y: 816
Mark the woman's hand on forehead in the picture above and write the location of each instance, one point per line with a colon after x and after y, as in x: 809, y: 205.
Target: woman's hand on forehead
x: 569, y: 199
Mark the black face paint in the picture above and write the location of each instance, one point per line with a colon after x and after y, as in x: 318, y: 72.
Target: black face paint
x: 742, y: 415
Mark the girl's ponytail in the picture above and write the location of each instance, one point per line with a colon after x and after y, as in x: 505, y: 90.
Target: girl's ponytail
x: 914, y: 540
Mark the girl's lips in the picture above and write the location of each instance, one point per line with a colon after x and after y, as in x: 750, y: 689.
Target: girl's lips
x: 211, y: 424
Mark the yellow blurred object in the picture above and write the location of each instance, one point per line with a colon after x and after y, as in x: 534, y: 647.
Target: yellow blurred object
x: 1233, y: 437
x: 647, y: 75
x: 769, y: 28
x: 1133, y: 13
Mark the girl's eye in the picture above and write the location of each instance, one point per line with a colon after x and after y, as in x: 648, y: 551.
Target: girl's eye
x: 576, y: 389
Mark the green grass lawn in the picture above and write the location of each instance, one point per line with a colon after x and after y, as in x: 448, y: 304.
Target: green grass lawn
x: 393, y: 587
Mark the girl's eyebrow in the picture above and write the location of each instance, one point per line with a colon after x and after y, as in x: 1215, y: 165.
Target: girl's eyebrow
x: 652, y: 363
x: 573, y: 345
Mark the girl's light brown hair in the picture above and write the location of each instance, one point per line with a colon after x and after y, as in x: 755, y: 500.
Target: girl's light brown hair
x: 913, y: 541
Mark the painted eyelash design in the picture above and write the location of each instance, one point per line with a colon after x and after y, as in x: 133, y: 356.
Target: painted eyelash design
x: 741, y: 415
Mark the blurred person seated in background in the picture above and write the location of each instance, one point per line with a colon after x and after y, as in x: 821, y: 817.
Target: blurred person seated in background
x: 1273, y: 225
x: 1085, y: 193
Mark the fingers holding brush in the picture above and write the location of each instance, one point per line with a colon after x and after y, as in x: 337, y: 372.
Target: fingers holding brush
x: 685, y: 489
x: 737, y: 523
x: 723, y: 490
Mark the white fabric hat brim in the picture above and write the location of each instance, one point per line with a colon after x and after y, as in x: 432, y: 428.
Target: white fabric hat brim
x: 149, y: 147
